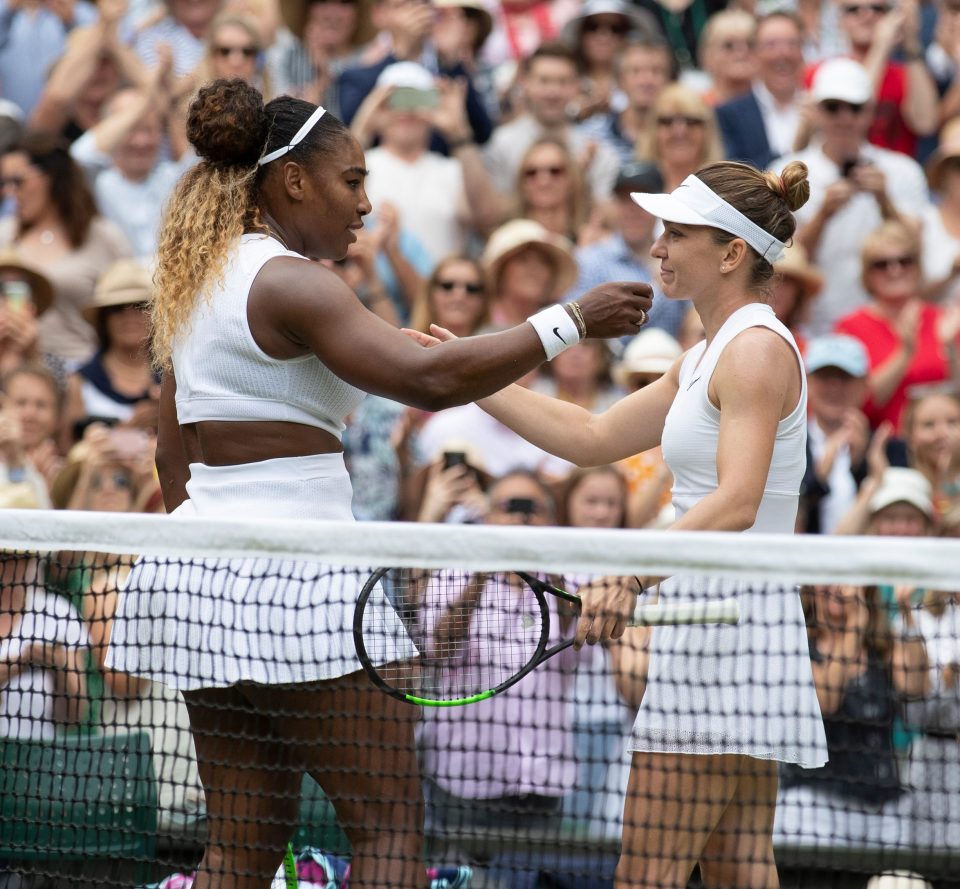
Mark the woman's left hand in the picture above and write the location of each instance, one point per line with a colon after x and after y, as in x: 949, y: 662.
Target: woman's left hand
x: 607, y: 605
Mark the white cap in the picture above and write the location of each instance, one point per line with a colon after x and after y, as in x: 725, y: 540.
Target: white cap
x: 902, y: 485
x: 693, y: 202
x: 842, y: 79
x: 651, y: 351
x: 900, y: 879
x: 406, y: 74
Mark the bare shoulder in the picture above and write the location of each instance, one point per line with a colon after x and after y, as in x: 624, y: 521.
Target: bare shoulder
x: 760, y: 348
x: 292, y: 297
x: 758, y: 360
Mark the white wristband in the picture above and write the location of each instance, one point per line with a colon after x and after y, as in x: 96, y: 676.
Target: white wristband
x: 556, y: 329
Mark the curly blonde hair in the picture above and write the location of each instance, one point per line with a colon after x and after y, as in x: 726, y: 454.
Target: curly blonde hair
x: 217, y: 200
x: 209, y: 210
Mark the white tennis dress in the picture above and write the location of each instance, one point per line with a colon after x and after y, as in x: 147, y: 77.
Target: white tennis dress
x: 214, y: 622
x: 744, y: 689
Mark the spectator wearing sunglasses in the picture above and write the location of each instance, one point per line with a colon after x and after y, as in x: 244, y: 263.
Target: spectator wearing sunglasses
x: 234, y: 49
x: 643, y: 67
x: 598, y: 36
x: 682, y: 135
x: 906, y: 104
x: 550, y: 82
x: 551, y: 191
x: 761, y: 125
x: 854, y: 187
x: 909, y: 342
x: 728, y: 55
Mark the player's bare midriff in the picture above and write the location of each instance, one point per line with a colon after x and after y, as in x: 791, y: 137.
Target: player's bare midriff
x: 229, y: 443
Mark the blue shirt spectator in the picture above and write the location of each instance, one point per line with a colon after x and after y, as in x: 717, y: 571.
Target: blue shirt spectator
x: 31, y: 41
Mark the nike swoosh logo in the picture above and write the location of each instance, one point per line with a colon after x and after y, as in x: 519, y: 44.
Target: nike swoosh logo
x: 556, y: 333
x: 694, y: 380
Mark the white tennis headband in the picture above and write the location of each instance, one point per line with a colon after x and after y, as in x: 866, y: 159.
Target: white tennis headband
x: 693, y: 202
x: 310, y: 123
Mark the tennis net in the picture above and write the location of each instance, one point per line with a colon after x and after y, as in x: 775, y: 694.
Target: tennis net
x: 104, y: 616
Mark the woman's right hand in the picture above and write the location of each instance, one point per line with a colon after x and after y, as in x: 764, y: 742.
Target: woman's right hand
x: 615, y: 309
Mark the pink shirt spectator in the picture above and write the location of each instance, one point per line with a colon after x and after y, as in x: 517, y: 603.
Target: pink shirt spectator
x: 518, y: 742
x: 929, y: 364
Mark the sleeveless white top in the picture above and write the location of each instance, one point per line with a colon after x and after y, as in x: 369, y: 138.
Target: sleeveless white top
x: 222, y: 374
x: 691, y: 433
x: 746, y: 689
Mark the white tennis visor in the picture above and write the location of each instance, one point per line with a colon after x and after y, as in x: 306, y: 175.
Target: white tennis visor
x: 695, y: 203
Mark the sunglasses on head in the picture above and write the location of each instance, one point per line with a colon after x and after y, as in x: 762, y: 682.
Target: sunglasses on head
x: 669, y: 120
x: 892, y: 262
x: 552, y: 171
x: 470, y: 287
x: 248, y: 52
x: 618, y: 29
x: 856, y: 8
x: 834, y: 106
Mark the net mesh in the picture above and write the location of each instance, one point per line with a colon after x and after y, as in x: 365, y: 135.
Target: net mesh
x: 177, y: 693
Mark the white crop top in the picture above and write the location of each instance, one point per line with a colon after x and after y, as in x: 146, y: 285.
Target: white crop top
x: 222, y: 374
x: 691, y: 433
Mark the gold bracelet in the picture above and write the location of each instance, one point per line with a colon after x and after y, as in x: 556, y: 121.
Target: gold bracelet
x: 578, y: 319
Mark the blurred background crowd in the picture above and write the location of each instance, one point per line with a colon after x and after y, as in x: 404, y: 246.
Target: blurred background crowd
x: 503, y: 141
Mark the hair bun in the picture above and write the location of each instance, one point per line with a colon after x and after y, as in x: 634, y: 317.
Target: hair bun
x: 227, y: 125
x: 792, y: 184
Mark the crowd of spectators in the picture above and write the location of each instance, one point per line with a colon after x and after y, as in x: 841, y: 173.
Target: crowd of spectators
x: 503, y: 140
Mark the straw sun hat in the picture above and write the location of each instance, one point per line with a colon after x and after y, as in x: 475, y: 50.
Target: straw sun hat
x: 127, y: 282
x: 294, y: 15
x: 514, y: 236
x: 794, y: 264
x: 41, y: 290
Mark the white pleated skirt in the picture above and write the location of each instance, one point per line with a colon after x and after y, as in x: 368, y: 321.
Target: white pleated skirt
x: 202, y: 623
x: 736, y: 689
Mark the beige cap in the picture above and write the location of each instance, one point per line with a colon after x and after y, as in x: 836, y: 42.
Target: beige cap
x: 125, y: 283
x: 650, y: 351
x: 513, y: 236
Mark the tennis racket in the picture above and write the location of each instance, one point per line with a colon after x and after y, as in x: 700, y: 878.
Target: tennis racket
x: 478, y: 634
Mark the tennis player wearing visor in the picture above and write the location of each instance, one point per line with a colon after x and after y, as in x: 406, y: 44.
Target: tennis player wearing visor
x: 723, y: 703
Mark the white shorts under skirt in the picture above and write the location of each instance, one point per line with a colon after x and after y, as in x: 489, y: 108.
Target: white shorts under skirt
x: 743, y: 689
x: 202, y: 623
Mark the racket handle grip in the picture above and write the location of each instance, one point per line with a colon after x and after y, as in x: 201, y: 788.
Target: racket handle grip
x: 717, y: 611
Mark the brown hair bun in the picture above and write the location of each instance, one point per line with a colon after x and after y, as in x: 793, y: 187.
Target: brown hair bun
x: 792, y: 184
x: 227, y: 125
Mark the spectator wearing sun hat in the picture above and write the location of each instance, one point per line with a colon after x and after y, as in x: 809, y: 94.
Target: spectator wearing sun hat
x: 625, y: 254
x: 598, y: 35
x: 119, y: 384
x: 528, y: 268
x: 854, y: 186
x: 25, y: 294
x: 323, y: 39
x: 796, y: 283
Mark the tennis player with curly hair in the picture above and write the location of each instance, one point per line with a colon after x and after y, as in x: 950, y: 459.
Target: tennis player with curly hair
x: 264, y: 353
